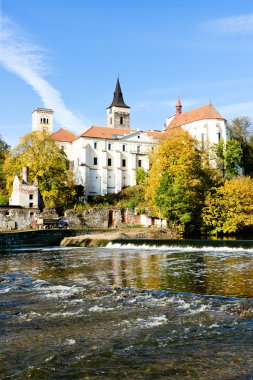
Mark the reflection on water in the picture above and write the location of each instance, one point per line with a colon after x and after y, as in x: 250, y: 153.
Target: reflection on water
x: 119, y: 312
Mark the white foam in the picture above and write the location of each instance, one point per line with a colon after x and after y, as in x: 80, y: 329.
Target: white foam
x: 152, y: 321
x: 100, y: 309
x: 178, y: 248
x: 59, y: 291
x: 69, y: 342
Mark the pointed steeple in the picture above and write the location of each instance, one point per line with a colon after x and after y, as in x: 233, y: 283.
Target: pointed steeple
x: 178, y: 106
x: 118, y: 100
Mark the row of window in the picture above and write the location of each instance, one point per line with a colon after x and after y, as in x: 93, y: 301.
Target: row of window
x: 109, y: 147
x: 109, y: 162
x: 43, y: 120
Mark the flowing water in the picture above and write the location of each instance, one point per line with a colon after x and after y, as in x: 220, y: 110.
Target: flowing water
x: 127, y: 312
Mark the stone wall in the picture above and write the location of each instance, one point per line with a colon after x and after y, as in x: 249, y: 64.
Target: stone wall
x: 108, y: 217
x: 16, y: 218
x: 73, y: 219
x: 36, y: 238
x: 25, y: 218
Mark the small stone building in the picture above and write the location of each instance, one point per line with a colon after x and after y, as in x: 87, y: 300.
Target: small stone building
x: 25, y: 194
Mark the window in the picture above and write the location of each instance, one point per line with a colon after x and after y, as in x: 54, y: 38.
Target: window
x: 218, y: 136
x: 30, y: 204
x: 109, y: 146
x: 95, y: 145
x: 124, y: 162
x: 30, y: 196
x: 124, y: 148
x: 31, y: 214
x: 41, y: 120
x: 139, y: 163
x: 109, y: 162
x: 138, y: 149
x: 44, y: 120
x: 121, y: 120
x: 95, y: 160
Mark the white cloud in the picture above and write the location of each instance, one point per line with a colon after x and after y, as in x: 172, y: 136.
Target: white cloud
x: 242, y: 24
x: 237, y: 110
x: 26, y: 61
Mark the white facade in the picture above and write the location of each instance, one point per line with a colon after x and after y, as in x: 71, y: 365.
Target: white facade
x: 105, y: 166
x: 207, y: 132
x: 205, y: 124
x: 42, y: 120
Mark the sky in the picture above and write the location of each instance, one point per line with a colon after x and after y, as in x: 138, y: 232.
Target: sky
x: 67, y: 55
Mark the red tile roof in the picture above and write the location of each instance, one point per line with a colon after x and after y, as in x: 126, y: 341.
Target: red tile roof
x: 156, y: 134
x: 202, y: 113
x: 106, y: 132
x: 63, y: 135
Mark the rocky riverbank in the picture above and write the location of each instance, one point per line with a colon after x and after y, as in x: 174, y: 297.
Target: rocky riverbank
x: 102, y: 239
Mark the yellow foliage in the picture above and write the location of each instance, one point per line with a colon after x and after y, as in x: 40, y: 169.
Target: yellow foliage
x: 230, y: 208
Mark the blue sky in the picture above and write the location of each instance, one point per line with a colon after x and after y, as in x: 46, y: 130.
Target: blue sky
x: 66, y: 55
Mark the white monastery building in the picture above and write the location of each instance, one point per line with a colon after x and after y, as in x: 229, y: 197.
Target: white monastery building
x: 105, y: 158
x: 204, y: 124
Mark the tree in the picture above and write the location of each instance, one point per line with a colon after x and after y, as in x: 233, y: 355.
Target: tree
x: 177, y: 180
x: 4, y: 149
x: 229, y: 157
x: 47, y: 164
x: 140, y: 176
x: 241, y: 130
x: 229, y: 208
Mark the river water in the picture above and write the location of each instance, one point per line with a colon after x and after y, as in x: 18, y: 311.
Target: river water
x: 127, y: 312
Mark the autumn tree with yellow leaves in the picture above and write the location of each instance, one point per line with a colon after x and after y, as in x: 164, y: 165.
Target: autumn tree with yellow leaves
x: 47, y: 164
x: 177, y: 181
x: 229, y: 208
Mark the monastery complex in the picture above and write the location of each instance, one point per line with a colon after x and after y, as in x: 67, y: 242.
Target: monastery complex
x: 105, y: 159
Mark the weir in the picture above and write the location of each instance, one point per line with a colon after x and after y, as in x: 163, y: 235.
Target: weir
x: 198, y: 243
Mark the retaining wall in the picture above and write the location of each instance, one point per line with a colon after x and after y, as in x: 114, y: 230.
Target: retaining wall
x: 36, y: 238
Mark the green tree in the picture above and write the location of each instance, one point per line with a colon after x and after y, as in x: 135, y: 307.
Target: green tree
x: 229, y: 157
x: 229, y: 208
x: 4, y: 149
x: 177, y: 181
x: 241, y: 130
x: 140, y: 176
x: 47, y: 164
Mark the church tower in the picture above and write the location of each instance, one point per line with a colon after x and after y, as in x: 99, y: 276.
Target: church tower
x: 42, y: 120
x: 118, y: 113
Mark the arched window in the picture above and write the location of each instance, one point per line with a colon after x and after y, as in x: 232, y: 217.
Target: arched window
x: 41, y: 120
x: 44, y: 121
x: 121, y: 120
x: 47, y: 121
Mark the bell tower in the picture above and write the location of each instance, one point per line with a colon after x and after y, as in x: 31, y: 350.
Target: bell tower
x: 42, y: 120
x: 118, y: 113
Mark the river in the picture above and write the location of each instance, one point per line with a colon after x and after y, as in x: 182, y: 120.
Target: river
x: 127, y: 312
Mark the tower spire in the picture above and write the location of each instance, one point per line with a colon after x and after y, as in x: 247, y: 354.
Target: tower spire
x: 178, y: 106
x: 118, y: 100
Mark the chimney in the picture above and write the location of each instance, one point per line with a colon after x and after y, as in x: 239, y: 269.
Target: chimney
x: 25, y: 174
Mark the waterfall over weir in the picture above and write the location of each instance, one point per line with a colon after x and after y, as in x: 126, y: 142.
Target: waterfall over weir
x: 175, y: 243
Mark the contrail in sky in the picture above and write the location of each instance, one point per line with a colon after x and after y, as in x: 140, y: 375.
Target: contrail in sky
x: 25, y: 60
